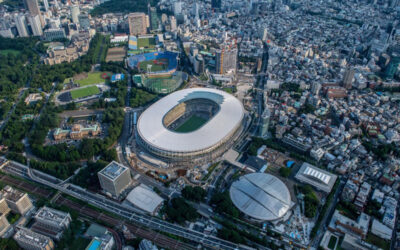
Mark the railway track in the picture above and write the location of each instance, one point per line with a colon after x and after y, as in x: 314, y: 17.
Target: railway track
x: 156, y: 237
x: 27, y: 187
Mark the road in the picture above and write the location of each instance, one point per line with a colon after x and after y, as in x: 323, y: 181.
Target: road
x: 130, y: 214
x: 262, y: 79
x: 28, y: 150
x: 328, y: 215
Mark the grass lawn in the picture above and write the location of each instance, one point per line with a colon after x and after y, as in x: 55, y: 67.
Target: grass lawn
x: 67, y: 80
x: 92, y: 78
x: 88, y: 91
x: 10, y: 51
x: 375, y: 240
x: 12, y: 217
x: 154, y: 68
x: 332, y: 242
x: 146, y: 42
x: 193, y: 123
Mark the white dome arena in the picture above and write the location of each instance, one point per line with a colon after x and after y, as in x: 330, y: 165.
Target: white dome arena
x: 260, y: 196
x: 189, y: 123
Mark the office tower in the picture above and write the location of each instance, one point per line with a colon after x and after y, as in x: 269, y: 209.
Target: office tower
x: 226, y: 60
x: 264, y: 36
x: 75, y: 13
x: 20, y: 22
x: 46, y: 5
x: 137, y: 23
x: 315, y: 88
x: 196, y: 8
x: 4, y: 225
x: 348, y: 78
x: 173, y: 23
x: 265, y: 119
x: 17, y: 201
x: 393, y: 65
x: 114, y: 178
x: 177, y: 8
x: 35, y: 25
x: 84, y: 21
x: 27, y: 239
x: 33, y: 8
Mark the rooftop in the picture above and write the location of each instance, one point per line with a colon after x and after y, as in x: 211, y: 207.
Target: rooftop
x: 144, y: 198
x: 316, y: 177
x: 30, y: 237
x: 261, y: 196
x: 113, y: 170
x: 52, y: 215
x: 11, y: 194
x: 152, y: 130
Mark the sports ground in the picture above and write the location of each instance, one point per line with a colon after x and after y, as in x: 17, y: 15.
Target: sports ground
x: 146, y: 42
x: 92, y: 78
x: 157, y: 65
x: 193, y: 123
x: 84, y: 92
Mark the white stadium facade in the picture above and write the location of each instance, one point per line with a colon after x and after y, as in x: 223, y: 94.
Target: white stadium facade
x: 158, y: 126
x: 261, y: 197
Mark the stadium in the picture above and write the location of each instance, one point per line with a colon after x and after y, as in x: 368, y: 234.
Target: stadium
x: 158, y: 71
x: 261, y: 197
x: 190, y: 125
x: 155, y: 64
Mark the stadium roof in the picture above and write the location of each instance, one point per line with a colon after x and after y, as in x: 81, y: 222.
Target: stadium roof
x: 261, y: 196
x: 144, y: 198
x: 316, y: 177
x: 152, y: 130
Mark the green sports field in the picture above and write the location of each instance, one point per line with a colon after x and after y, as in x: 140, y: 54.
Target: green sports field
x: 92, y: 78
x: 155, y: 67
x: 193, y: 123
x: 84, y: 92
x: 146, y: 42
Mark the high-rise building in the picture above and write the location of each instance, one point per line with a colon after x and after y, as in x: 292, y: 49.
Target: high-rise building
x: 33, y: 8
x: 196, y: 8
x: 4, y: 225
x: 35, y: 25
x: 315, y: 88
x: 84, y: 21
x: 226, y: 60
x: 17, y: 201
x: 137, y: 23
x: 114, y: 178
x: 27, y: 239
x: 20, y: 22
x: 264, y: 36
x: 265, y: 119
x: 172, y: 19
x: 393, y: 65
x: 177, y: 8
x: 75, y: 13
x: 348, y: 78
x: 46, y: 5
